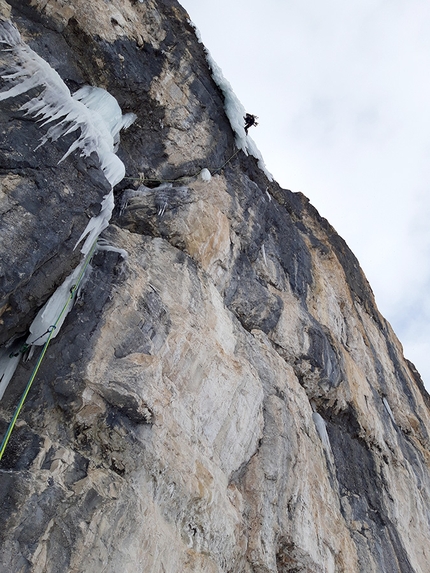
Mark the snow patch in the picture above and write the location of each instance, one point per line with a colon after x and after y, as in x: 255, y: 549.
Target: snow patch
x: 205, y: 175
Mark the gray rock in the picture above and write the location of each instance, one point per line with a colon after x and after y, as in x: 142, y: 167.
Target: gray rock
x: 226, y: 398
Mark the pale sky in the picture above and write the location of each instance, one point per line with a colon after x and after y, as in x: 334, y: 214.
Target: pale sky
x: 342, y: 91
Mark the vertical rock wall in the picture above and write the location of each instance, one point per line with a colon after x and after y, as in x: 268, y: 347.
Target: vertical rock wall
x: 228, y: 397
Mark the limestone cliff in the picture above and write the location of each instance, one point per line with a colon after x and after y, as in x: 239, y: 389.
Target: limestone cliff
x: 226, y: 397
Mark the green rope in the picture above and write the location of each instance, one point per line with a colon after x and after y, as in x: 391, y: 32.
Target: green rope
x: 184, y: 177
x: 73, y: 290
x: 50, y: 333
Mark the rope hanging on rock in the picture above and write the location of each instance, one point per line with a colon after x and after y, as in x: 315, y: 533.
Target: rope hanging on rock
x: 50, y: 333
x: 184, y: 177
x: 73, y: 291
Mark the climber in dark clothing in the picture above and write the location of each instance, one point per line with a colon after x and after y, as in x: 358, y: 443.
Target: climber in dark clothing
x: 249, y: 121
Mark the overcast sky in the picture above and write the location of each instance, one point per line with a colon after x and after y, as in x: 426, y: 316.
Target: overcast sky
x: 342, y: 91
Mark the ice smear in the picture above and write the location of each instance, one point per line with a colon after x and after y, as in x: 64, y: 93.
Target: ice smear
x: 234, y: 110
x: 387, y: 407
x: 263, y: 252
x: 60, y: 302
x: 97, y: 224
x: 321, y: 428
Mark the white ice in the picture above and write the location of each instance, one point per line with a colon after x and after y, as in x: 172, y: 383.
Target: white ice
x: 54, y: 312
x: 387, y: 407
x: 263, y: 252
x: 103, y: 245
x: 205, y: 174
x: 97, y: 124
x: 106, y: 106
x: 321, y: 428
x: 97, y: 224
x: 96, y: 118
x: 8, y: 365
x: 234, y: 110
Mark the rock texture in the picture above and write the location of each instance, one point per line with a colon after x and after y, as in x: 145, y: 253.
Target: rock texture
x: 226, y: 399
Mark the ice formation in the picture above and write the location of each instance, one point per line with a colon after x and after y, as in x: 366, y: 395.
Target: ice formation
x: 263, y: 252
x: 97, y: 224
x: 98, y: 123
x: 54, y: 312
x: 205, y: 175
x: 387, y: 407
x: 103, y: 245
x: 321, y: 428
x: 96, y: 118
x: 234, y: 110
x: 8, y: 365
x: 104, y: 104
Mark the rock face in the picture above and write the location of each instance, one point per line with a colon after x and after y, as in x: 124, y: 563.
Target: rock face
x: 225, y: 399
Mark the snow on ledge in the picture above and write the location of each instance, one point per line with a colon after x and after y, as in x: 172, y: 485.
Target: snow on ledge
x: 205, y: 174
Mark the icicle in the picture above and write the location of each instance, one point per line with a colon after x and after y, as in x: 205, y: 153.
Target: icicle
x: 92, y: 112
x: 234, y: 111
x: 162, y: 209
x: 96, y: 117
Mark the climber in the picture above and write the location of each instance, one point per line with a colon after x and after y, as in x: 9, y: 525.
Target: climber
x: 249, y: 121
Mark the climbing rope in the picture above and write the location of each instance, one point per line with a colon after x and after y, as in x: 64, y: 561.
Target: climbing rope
x: 184, y: 177
x: 50, y: 333
x: 73, y: 290
x: 228, y: 161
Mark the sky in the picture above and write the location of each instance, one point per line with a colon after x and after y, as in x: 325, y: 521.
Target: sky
x: 342, y: 92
